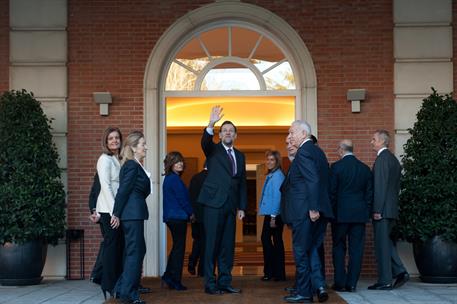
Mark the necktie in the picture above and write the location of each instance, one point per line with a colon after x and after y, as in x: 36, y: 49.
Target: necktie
x: 232, y: 161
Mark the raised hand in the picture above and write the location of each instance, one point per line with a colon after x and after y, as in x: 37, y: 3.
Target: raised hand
x: 215, y: 115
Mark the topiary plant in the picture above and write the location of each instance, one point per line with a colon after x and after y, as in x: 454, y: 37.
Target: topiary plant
x: 32, y: 199
x: 428, y: 196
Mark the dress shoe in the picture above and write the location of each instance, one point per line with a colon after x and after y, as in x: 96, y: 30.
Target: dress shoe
x: 401, y: 279
x: 379, y: 286
x: 230, y: 289
x: 290, y: 289
x: 350, y: 288
x: 142, y: 289
x: 191, y: 269
x: 280, y: 279
x: 168, y: 282
x: 338, y: 288
x: 322, y: 294
x: 213, y: 291
x: 138, y: 302
x: 266, y: 278
x: 180, y: 286
x: 298, y: 299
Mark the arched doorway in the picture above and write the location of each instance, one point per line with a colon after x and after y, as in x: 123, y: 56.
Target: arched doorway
x: 234, y: 18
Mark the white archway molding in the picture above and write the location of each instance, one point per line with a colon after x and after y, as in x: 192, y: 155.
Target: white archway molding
x: 154, y: 105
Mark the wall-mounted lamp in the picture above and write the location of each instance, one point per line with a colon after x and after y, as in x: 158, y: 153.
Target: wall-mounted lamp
x: 356, y: 96
x: 103, y: 99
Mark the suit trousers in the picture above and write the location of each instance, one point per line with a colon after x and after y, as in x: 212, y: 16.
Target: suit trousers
x: 111, y: 254
x: 134, y: 250
x: 219, y: 225
x: 302, y: 244
x: 273, y: 248
x: 388, y: 261
x: 348, y: 237
x: 316, y: 255
x: 196, y: 255
x: 178, y: 229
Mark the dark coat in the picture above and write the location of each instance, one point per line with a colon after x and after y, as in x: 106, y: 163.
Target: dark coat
x: 134, y: 187
x: 195, y: 186
x: 219, y: 184
x: 306, y: 185
x: 176, y: 203
x: 351, y: 190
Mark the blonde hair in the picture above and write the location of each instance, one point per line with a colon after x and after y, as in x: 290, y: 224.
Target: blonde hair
x: 131, y: 142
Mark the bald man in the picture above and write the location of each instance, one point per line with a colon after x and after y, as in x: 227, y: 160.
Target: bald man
x: 351, y: 193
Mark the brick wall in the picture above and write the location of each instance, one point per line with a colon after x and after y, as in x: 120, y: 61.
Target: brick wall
x: 110, y: 42
x: 4, y: 45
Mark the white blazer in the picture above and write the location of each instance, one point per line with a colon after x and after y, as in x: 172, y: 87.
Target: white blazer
x: 108, y: 168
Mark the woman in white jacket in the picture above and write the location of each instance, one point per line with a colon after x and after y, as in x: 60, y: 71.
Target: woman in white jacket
x: 108, y: 168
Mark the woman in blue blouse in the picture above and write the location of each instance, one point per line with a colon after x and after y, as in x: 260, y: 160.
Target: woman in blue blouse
x: 177, y: 211
x: 272, y: 243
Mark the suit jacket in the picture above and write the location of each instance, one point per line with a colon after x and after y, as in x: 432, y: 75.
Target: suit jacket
x: 134, y: 187
x: 351, y: 190
x: 195, y: 186
x: 108, y: 168
x: 306, y: 185
x: 386, y: 173
x: 94, y: 192
x: 176, y: 203
x: 219, y: 185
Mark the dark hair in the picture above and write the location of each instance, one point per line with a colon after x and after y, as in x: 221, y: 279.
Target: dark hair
x: 277, y: 157
x: 107, y: 132
x: 170, y: 160
x: 228, y: 122
x: 313, y: 139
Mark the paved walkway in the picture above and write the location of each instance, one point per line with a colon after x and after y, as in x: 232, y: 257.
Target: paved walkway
x: 75, y: 292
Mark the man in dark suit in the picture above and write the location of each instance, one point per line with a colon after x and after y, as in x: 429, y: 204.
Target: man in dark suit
x: 306, y: 206
x: 386, y: 173
x: 222, y: 194
x: 351, y: 194
x: 198, y: 233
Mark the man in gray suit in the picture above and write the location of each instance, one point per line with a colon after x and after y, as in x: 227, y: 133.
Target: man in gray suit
x: 386, y: 172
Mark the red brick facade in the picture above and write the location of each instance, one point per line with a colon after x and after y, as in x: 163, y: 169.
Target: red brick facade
x: 110, y: 41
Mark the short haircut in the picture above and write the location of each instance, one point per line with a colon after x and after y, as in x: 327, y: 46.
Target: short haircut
x: 304, y: 126
x: 277, y: 157
x: 384, y: 135
x: 346, y: 147
x: 228, y: 122
x: 106, y: 133
x: 170, y: 160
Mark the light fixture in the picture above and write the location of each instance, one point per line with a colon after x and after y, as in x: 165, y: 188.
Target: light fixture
x: 356, y: 96
x: 103, y: 99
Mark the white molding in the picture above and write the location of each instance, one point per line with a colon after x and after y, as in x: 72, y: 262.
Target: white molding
x: 213, y: 14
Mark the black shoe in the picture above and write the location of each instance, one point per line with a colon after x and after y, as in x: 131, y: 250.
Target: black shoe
x: 379, y: 286
x: 191, y: 269
x: 401, y: 279
x: 230, y: 289
x: 180, y: 286
x: 266, y: 278
x: 290, y: 289
x: 278, y: 279
x: 350, y: 288
x: 142, y: 289
x: 298, y: 299
x: 338, y: 288
x: 138, y: 302
x: 322, y: 294
x: 168, y: 282
x: 213, y: 291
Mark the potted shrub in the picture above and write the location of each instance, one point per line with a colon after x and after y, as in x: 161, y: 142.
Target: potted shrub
x: 32, y: 199
x: 428, y: 196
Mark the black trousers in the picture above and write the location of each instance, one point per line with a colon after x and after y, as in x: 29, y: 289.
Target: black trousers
x: 273, y: 248
x: 178, y: 229
x: 196, y: 256
x: 112, y: 253
x: 220, y: 228
x: 348, y: 237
